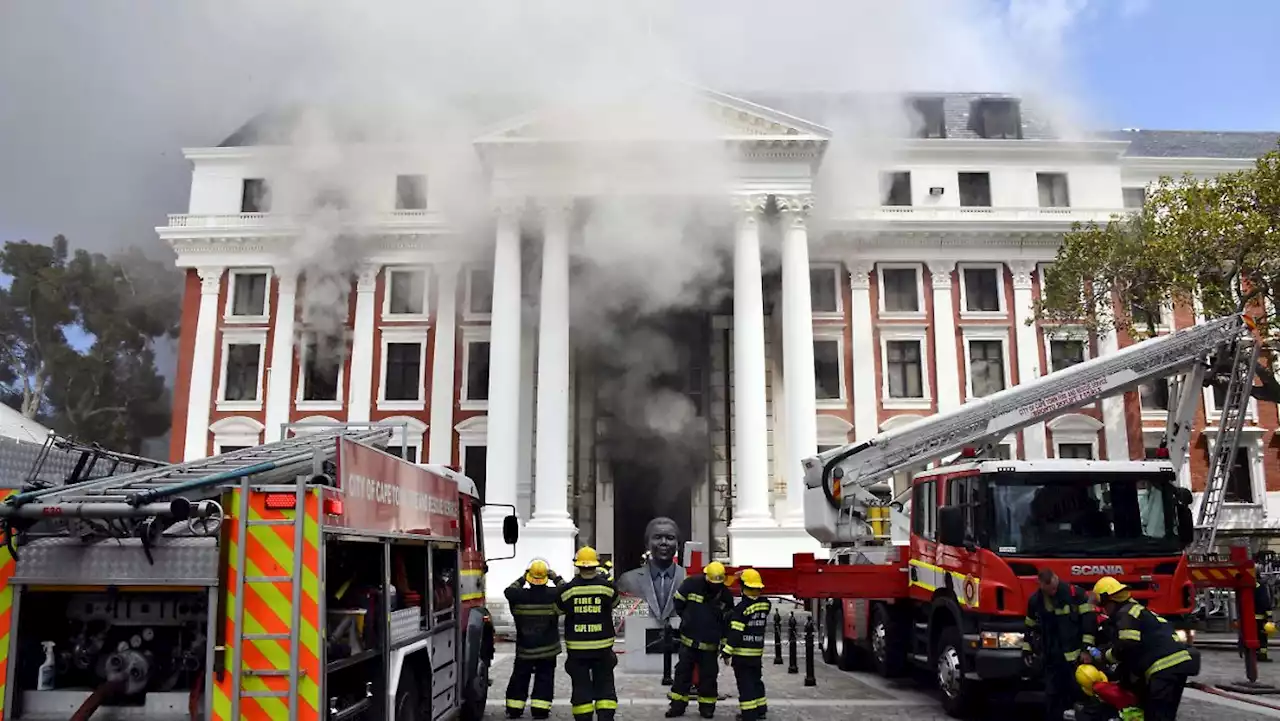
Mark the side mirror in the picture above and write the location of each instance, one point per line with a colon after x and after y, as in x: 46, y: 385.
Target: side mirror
x: 510, y: 530
x: 951, y: 525
x: 1186, y: 524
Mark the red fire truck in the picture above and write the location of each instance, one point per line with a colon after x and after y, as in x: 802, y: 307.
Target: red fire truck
x: 317, y: 577
x: 940, y: 580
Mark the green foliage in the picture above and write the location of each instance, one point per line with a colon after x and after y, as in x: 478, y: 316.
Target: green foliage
x: 111, y: 393
x: 1216, y: 239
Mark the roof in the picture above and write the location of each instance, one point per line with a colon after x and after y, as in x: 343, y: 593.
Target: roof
x: 833, y: 110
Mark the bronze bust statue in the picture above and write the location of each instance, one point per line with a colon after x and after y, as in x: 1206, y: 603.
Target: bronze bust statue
x: 659, y: 577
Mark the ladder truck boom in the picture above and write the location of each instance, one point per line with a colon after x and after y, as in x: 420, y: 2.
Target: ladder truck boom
x: 837, y: 482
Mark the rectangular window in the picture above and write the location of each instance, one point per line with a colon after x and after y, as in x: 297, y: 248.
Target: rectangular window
x: 924, y: 509
x: 1151, y: 453
x: 1155, y: 396
x: 255, y: 196
x: 475, y: 463
x: 411, y: 192
x: 321, y: 371
x: 1064, y: 353
x: 824, y: 290
x: 406, y: 292
x: 478, y: 370
x: 975, y: 190
x: 981, y: 290
x: 986, y: 367
x: 1240, y: 481
x: 404, y: 371
x: 996, y: 118
x: 826, y: 362
x: 230, y: 449
x: 901, y: 289
x: 242, y: 372
x: 248, y: 294
x: 933, y: 121
x: 480, y: 292
x: 1134, y: 198
x: 409, y: 453
x: 895, y: 188
x: 1080, y: 451
x: 1053, y: 190
x: 905, y: 371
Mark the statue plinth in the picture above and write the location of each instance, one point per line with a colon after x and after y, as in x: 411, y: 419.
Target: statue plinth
x: 642, y: 636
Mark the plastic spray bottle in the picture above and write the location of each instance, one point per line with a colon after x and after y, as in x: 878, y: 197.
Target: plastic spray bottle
x: 48, y: 669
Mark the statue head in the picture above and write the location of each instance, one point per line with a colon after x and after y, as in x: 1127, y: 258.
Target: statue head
x: 662, y: 538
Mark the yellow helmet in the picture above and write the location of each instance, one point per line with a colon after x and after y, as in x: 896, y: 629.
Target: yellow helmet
x: 1108, y: 586
x: 751, y: 579
x: 586, y: 558
x: 714, y: 572
x: 537, y: 573
x: 1269, y: 628
x: 1087, y: 675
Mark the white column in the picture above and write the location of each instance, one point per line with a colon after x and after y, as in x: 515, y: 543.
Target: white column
x: 944, y: 335
x: 504, y: 367
x: 551, y: 454
x: 200, y: 392
x: 751, y: 451
x: 280, y: 372
x: 1033, y: 436
x: 362, y: 370
x: 443, y: 392
x: 800, y: 388
x: 866, y: 398
x: 1115, y: 429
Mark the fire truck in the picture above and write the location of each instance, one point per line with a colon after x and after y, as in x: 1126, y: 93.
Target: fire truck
x: 316, y: 577
x: 939, y: 580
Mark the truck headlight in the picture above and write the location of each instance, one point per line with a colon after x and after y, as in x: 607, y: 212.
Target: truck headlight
x: 1183, y: 635
x: 1008, y: 639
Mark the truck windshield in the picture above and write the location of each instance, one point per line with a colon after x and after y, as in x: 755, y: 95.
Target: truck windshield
x: 1083, y: 514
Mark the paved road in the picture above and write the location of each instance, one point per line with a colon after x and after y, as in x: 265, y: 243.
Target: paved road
x: 840, y: 695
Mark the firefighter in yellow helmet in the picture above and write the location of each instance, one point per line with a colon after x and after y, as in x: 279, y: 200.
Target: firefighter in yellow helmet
x: 587, y: 603
x: 744, y: 645
x: 1144, y: 644
x: 703, y: 603
x: 1261, y: 616
x: 537, y: 639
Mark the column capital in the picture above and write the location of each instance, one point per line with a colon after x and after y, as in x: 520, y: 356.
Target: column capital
x: 210, y: 279
x: 860, y: 273
x: 794, y: 208
x: 941, y: 270
x: 1023, y: 270
x: 509, y: 207
x: 367, y: 277
x: 554, y: 206
x: 749, y: 208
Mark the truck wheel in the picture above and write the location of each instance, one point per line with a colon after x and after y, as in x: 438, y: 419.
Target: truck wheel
x: 410, y: 706
x: 832, y: 626
x: 476, y: 694
x: 888, y: 647
x: 957, y: 691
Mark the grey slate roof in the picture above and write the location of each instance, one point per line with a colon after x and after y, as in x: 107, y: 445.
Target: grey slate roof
x: 832, y: 109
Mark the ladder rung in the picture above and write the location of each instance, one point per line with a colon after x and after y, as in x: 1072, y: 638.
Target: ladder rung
x: 270, y: 522
x: 268, y: 579
x: 266, y: 637
x: 264, y: 673
x: 264, y: 694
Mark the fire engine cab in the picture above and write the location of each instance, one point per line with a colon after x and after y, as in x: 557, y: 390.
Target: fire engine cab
x: 317, y: 577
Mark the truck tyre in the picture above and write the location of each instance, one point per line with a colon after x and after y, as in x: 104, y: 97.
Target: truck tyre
x: 949, y: 664
x: 411, y: 705
x: 888, y: 646
x: 845, y: 649
x: 831, y: 626
x: 476, y: 694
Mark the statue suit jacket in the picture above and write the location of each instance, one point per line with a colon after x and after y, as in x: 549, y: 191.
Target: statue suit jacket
x: 638, y: 582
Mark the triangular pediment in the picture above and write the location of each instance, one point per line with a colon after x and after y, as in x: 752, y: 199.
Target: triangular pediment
x: 708, y: 113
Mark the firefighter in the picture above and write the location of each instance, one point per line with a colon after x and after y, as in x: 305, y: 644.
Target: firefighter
x: 1067, y: 625
x: 703, y: 604
x: 744, y: 644
x: 1262, y: 615
x: 533, y: 604
x: 587, y: 603
x: 1144, y: 644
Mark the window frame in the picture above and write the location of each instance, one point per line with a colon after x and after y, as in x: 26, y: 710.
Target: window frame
x: 473, y: 433
x: 264, y: 208
x: 471, y: 335
x: 318, y: 405
x: 426, y: 196
x: 887, y: 178
x: 1251, y: 442
x: 836, y: 270
x: 836, y: 334
x: 388, y: 274
x: 228, y: 308
x: 468, y: 293
x: 418, y: 335
x: 984, y: 333
x: 241, y: 336
x: 885, y: 314
x: 411, y: 435
x: 235, y: 431
x: 1052, y: 334
x: 1127, y: 189
x: 1075, y: 428
x: 1066, y: 187
x: 918, y: 334
x: 959, y: 193
x: 965, y: 313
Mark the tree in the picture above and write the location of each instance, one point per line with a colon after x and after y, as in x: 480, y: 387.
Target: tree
x: 1214, y: 240
x: 111, y: 392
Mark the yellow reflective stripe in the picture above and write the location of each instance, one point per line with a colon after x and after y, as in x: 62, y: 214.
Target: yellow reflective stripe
x: 514, y: 703
x: 1088, y: 639
x: 584, y: 708
x: 709, y: 700
x: 701, y: 646
x: 1026, y: 646
x: 1072, y: 655
x: 547, y: 610
x: 605, y: 703
x: 1062, y: 611
x: 587, y: 591
x: 756, y: 608
x: 1130, y: 634
x: 679, y: 596
x: 540, y: 704
x: 1030, y: 622
x: 1135, y: 610
x: 1110, y: 656
x: 590, y: 645
x: 1169, y: 661
x: 677, y: 697
x: 744, y: 651
x: 747, y: 705
x: 1085, y: 608
x: 737, y: 625
x: 696, y: 597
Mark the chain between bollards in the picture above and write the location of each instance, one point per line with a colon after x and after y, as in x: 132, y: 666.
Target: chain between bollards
x: 809, y: 679
x: 777, y: 637
x: 792, y: 666
x: 666, y: 652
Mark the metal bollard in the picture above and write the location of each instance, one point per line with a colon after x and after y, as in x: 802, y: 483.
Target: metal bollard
x: 777, y: 637
x: 809, y: 679
x: 792, y: 667
x: 666, y: 653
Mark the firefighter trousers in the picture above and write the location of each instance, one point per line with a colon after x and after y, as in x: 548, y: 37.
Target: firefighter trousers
x: 1061, y: 691
x: 749, y: 673
x: 543, y: 673
x: 591, y: 678
x: 1164, y: 695
x: 1262, y: 636
x: 682, y: 680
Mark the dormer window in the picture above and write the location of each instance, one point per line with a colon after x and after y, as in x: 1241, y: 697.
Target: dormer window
x: 932, y: 122
x: 996, y: 118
